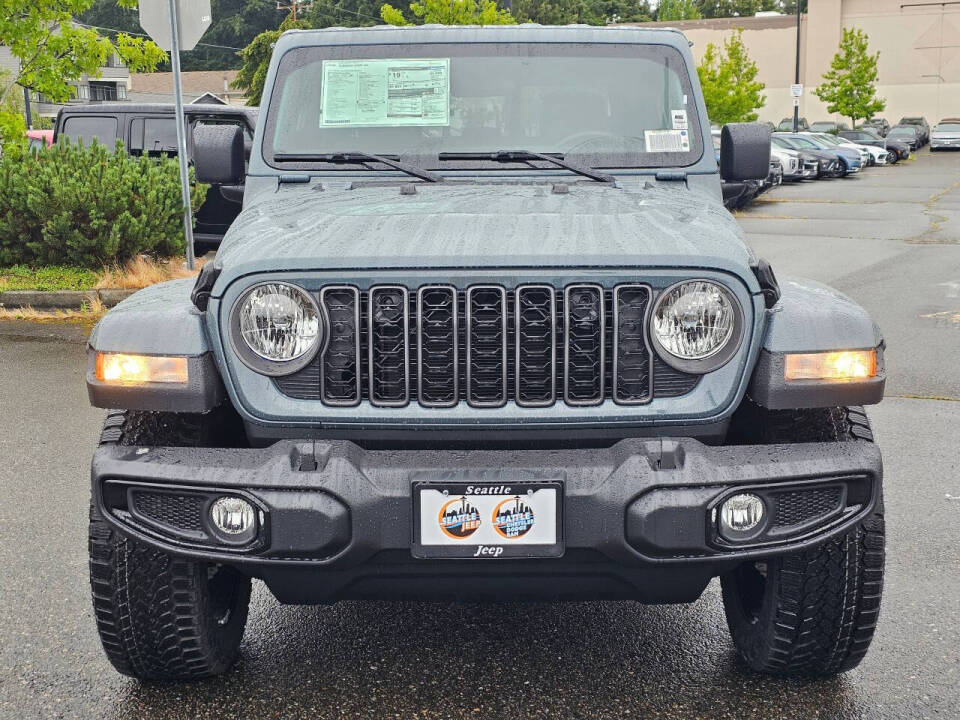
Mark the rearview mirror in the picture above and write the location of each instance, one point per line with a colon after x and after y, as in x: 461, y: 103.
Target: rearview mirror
x: 218, y: 154
x: 744, y: 152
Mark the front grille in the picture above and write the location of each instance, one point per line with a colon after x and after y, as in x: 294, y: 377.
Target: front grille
x: 180, y: 512
x: 801, y: 506
x: 485, y: 346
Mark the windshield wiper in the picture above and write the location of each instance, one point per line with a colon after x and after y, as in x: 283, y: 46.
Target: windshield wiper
x: 509, y: 156
x: 345, y: 158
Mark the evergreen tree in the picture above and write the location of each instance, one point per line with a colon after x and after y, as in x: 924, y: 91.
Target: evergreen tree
x: 678, y: 10
x: 850, y: 86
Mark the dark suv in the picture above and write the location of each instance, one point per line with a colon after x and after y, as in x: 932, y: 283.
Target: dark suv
x: 921, y: 124
x: 152, y: 129
x: 485, y: 331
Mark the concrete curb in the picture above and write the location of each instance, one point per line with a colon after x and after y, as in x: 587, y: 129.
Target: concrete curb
x: 61, y: 299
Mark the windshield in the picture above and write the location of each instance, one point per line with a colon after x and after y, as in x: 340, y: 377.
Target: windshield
x: 598, y: 105
x: 903, y: 132
x: 948, y: 127
x: 821, y: 126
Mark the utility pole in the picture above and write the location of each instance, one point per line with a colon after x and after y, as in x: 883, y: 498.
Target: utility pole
x: 293, y: 7
x: 796, y: 102
x: 29, y: 112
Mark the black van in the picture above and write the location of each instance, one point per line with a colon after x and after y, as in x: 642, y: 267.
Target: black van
x: 152, y: 129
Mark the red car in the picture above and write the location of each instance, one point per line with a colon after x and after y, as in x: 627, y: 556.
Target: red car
x: 40, y: 138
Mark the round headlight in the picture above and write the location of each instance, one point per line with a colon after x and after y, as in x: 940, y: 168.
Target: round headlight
x: 697, y: 326
x: 277, y: 328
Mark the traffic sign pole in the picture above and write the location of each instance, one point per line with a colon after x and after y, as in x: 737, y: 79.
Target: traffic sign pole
x: 181, y: 131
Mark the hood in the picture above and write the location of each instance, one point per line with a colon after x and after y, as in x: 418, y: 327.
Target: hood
x: 367, y: 225
x: 946, y: 134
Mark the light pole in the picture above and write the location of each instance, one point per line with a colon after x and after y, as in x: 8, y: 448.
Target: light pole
x: 796, y: 102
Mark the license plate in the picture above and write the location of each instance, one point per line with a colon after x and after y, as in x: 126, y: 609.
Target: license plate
x: 487, y: 521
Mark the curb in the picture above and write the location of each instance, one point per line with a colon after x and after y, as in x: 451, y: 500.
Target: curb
x: 62, y: 299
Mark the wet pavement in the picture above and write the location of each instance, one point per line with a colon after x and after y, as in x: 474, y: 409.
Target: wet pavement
x: 890, y: 239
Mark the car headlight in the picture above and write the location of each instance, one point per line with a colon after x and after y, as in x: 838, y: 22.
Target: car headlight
x: 697, y: 326
x: 276, y: 328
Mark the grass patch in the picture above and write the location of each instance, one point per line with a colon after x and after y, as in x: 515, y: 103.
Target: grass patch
x: 139, y: 273
x: 88, y: 315
x: 20, y: 277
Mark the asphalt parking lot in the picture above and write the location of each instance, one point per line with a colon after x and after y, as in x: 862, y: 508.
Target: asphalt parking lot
x: 890, y: 239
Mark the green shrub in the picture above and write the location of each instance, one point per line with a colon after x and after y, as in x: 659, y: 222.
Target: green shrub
x: 89, y: 207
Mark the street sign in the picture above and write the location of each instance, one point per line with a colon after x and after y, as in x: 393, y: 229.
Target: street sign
x: 194, y: 16
x: 796, y: 91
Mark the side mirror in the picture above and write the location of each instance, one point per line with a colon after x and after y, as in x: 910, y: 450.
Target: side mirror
x: 744, y: 152
x: 218, y: 154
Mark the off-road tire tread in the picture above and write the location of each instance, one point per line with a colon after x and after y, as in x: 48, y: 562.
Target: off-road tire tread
x: 151, y: 607
x: 827, y: 604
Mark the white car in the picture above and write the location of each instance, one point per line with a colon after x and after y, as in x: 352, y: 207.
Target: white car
x: 945, y: 135
x: 793, y: 168
x: 879, y: 155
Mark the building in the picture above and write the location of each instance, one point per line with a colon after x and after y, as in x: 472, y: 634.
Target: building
x: 111, y: 85
x: 918, y: 42
x: 209, y: 86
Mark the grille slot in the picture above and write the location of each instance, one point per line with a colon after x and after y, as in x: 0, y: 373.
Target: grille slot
x: 389, y: 343
x: 439, y: 346
x: 437, y: 351
x: 180, y: 512
x: 486, y: 346
x: 340, y: 375
x: 535, y: 318
x: 584, y: 322
x: 632, y: 379
x: 797, y: 507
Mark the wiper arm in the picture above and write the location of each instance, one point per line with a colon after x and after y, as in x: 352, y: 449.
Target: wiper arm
x: 344, y: 158
x: 507, y: 156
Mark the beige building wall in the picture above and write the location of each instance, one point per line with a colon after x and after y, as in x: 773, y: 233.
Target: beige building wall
x: 918, y: 41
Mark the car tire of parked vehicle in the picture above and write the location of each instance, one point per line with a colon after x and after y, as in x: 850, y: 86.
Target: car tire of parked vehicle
x: 812, y: 612
x: 893, y: 157
x: 161, y: 617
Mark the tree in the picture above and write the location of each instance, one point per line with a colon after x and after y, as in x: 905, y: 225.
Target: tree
x: 729, y: 80
x: 678, y: 10
x: 256, y: 60
x: 849, y: 87
x: 449, y: 12
x: 53, y: 53
x: 235, y: 24
x: 344, y: 13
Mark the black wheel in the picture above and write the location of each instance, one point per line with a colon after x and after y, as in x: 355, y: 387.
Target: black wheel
x: 161, y: 617
x: 893, y: 157
x: 812, y: 612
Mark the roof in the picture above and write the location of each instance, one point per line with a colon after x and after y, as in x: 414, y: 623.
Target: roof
x: 128, y: 107
x: 199, y: 82
x: 766, y: 22
x: 526, y: 32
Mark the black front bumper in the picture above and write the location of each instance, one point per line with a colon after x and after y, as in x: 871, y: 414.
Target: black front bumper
x: 336, y: 521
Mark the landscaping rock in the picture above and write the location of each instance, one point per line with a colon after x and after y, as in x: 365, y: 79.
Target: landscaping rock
x: 110, y: 298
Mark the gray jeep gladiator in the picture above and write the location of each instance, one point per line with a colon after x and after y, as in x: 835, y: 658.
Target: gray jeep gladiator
x: 484, y: 331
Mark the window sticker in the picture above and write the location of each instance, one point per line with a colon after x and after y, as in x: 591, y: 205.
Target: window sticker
x: 679, y: 119
x: 667, y: 141
x: 385, y: 93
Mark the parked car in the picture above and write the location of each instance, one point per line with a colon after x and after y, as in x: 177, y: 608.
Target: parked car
x: 867, y: 158
x: 828, y: 164
x: 38, y: 139
x: 896, y: 150
x: 920, y: 122
x: 786, y: 125
x: 851, y: 161
x: 152, y: 130
x: 945, y: 136
x: 880, y: 125
x: 795, y: 166
x: 828, y: 126
x: 555, y: 382
x: 909, y: 134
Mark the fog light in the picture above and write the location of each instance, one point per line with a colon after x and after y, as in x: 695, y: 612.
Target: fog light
x: 740, y: 514
x: 234, y: 517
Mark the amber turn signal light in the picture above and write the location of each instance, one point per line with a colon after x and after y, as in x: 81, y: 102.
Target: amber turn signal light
x: 120, y: 369
x: 841, y: 365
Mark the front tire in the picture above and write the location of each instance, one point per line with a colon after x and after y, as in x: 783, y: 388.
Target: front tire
x: 161, y: 617
x: 812, y: 612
